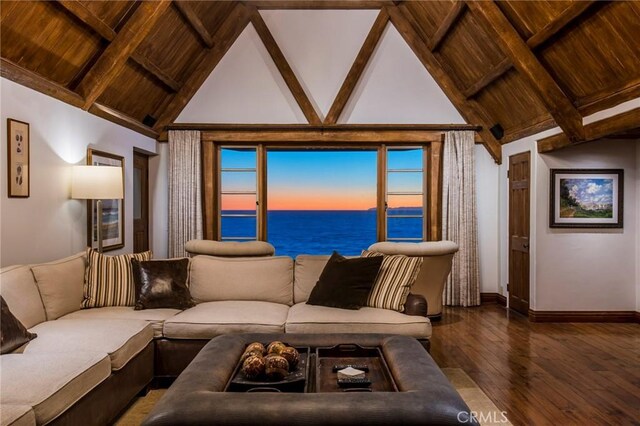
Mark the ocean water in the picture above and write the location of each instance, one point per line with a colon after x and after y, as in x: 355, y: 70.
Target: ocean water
x: 294, y: 232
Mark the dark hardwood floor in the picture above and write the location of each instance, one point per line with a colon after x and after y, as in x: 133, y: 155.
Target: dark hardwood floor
x: 542, y: 373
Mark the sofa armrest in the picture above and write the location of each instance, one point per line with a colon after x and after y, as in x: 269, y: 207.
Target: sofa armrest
x: 416, y: 305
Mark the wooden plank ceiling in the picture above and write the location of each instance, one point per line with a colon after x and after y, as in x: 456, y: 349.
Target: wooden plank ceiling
x: 519, y: 66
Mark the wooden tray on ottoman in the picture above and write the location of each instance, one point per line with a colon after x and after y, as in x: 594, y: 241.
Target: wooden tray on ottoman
x: 352, y: 355
x: 296, y: 380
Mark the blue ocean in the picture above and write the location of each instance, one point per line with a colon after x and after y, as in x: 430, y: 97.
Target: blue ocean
x: 294, y: 232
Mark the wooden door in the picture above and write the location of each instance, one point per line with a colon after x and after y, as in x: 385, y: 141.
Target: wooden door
x: 140, y: 202
x: 519, y: 177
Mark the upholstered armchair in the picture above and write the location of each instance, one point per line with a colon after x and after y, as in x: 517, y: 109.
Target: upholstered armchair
x: 436, y: 266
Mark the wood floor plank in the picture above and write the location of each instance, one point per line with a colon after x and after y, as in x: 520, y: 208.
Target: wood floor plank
x: 545, y: 373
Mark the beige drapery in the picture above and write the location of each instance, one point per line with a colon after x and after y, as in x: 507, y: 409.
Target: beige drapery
x: 185, y: 196
x: 459, y: 218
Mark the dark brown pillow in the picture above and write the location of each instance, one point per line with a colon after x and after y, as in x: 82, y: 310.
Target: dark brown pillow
x: 345, y: 283
x: 161, y: 284
x: 12, y: 333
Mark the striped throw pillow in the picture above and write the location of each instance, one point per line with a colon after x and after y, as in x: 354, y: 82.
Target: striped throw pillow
x: 393, y: 283
x: 109, y: 279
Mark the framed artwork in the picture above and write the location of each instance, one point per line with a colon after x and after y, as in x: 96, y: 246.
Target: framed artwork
x: 112, y: 210
x: 586, y: 198
x: 18, y: 158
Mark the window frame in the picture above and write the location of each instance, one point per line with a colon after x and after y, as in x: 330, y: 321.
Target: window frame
x: 309, y: 138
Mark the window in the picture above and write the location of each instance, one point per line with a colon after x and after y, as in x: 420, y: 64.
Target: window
x: 405, y: 197
x: 238, y: 194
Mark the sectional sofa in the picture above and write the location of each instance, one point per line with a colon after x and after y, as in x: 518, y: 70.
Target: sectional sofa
x: 90, y: 363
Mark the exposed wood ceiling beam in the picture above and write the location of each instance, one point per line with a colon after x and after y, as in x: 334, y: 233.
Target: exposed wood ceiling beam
x: 319, y: 4
x: 547, y: 32
x: 608, y: 97
x: 80, y: 11
x: 555, y: 100
x: 196, y: 23
x: 470, y: 110
x: 358, y: 67
x: 115, y: 56
x: 552, y: 28
x: 122, y: 119
x: 283, y: 66
x: 224, y: 37
x: 449, y: 21
x: 600, y: 129
x: 93, y: 22
x: 14, y: 72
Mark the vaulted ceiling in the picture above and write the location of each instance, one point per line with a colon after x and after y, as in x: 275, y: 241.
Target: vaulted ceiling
x: 517, y: 66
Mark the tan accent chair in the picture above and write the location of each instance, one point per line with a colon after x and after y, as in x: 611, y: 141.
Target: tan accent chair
x: 229, y: 248
x: 436, y: 266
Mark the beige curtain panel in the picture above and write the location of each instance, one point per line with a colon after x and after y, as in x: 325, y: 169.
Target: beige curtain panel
x: 459, y: 218
x: 185, y: 196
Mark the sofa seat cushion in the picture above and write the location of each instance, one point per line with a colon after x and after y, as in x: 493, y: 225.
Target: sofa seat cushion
x: 155, y: 317
x: 17, y: 415
x: 50, y: 383
x: 210, y: 319
x: 305, y: 318
x: 120, y: 339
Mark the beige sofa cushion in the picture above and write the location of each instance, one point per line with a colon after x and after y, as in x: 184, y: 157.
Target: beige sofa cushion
x: 155, y: 317
x: 211, y: 319
x: 19, y: 290
x: 305, y: 318
x: 51, y: 383
x: 229, y: 248
x: 17, y: 415
x: 307, y: 272
x: 267, y: 279
x: 120, y: 339
x: 61, y: 284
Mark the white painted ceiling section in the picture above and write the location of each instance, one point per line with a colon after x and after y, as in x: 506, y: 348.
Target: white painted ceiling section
x: 320, y: 46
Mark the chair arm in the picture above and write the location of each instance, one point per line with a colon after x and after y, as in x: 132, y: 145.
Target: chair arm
x: 415, y: 305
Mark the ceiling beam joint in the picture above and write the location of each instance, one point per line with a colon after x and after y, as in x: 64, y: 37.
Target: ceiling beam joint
x: 447, y: 24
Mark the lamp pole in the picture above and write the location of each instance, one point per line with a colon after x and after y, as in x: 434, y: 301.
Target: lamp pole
x: 99, y: 230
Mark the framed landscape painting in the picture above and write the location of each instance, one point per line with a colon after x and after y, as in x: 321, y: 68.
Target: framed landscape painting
x: 586, y: 198
x: 112, y: 210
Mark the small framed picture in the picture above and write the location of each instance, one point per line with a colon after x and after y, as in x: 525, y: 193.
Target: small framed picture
x: 18, y: 158
x: 112, y: 210
x: 586, y: 198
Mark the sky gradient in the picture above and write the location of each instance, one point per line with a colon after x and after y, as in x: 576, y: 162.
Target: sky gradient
x: 319, y: 180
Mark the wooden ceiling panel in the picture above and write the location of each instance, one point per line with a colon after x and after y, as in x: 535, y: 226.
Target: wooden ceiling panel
x: 173, y: 46
x: 135, y: 92
x: 110, y: 12
x: 429, y: 14
x: 600, y: 52
x: 529, y: 17
x: 470, y: 51
x: 41, y: 37
x: 512, y: 103
x: 213, y: 13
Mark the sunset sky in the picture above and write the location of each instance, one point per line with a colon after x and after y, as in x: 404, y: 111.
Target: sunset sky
x: 318, y: 180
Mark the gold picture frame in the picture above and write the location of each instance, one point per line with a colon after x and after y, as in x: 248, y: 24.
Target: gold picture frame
x: 113, y: 231
x: 19, y: 152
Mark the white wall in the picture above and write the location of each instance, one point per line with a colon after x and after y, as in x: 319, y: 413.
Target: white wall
x: 49, y: 225
x: 320, y: 46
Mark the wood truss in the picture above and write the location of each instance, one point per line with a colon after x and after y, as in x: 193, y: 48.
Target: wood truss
x: 519, y: 67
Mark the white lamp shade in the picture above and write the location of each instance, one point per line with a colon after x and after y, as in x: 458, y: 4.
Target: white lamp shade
x: 96, y: 183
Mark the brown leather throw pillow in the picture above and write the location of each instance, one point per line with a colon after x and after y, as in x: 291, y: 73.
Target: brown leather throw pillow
x: 345, y: 283
x: 12, y: 333
x: 161, y: 284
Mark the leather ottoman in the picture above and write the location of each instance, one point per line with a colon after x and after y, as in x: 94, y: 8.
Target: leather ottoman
x: 424, y: 397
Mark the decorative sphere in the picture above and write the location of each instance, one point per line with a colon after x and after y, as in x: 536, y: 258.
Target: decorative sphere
x: 257, y: 347
x: 291, y: 355
x: 275, y: 347
x: 253, y: 367
x: 249, y: 353
x: 276, y: 367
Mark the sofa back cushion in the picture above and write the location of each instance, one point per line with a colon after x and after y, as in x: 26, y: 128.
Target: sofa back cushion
x: 19, y: 290
x: 307, y: 273
x: 61, y: 284
x: 268, y: 279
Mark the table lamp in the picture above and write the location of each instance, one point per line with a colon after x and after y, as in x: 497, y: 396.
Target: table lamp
x: 97, y: 183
